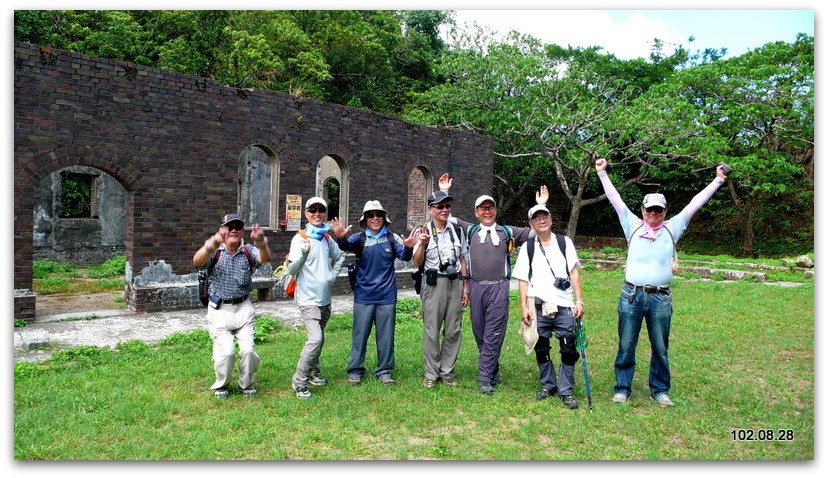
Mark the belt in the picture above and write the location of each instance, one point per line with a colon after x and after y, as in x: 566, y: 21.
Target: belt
x: 489, y: 282
x: 237, y: 300
x: 649, y: 288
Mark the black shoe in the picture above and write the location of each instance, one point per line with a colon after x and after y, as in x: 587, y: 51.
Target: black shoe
x: 485, y: 388
x: 496, y: 379
x: 569, y: 401
x: 545, y: 393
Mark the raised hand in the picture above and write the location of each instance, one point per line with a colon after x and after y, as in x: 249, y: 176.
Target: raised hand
x: 256, y: 234
x: 445, y: 182
x: 542, y: 195
x: 601, y: 165
x: 306, y: 245
x: 412, y: 238
x: 339, y: 229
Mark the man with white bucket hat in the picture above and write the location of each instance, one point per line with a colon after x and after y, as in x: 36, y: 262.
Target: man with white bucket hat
x: 375, y: 287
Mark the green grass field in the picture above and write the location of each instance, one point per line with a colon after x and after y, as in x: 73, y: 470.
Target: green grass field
x: 742, y: 358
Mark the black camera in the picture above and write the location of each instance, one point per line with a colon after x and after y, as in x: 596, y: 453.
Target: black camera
x: 562, y: 283
x: 450, y: 270
x: 431, y: 277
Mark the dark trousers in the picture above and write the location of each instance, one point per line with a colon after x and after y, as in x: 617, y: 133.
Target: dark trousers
x: 489, y: 317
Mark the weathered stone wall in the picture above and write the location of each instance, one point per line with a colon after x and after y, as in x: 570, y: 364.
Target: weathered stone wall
x: 173, y: 142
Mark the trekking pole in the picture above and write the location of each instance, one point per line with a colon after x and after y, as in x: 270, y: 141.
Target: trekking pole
x: 582, y: 345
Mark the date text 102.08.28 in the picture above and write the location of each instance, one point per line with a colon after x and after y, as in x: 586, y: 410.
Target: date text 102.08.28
x: 765, y: 434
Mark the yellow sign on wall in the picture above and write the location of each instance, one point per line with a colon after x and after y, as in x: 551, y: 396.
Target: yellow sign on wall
x: 293, y: 212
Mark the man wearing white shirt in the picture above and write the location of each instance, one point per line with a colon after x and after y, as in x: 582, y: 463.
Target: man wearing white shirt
x: 551, y: 296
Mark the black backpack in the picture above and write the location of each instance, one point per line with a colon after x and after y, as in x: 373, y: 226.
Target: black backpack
x: 204, y: 274
x: 530, y: 250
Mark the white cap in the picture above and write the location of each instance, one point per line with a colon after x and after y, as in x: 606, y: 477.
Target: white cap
x: 536, y: 208
x: 315, y: 200
x: 654, y: 199
x: 483, y: 199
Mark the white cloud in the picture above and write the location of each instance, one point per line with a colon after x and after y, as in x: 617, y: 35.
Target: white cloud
x: 632, y: 38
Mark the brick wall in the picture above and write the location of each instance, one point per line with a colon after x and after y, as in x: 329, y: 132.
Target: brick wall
x: 173, y: 141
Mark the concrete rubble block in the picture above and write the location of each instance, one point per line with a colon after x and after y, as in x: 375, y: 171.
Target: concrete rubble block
x: 804, y: 261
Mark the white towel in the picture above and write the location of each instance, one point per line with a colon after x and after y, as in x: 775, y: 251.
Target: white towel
x: 484, y: 230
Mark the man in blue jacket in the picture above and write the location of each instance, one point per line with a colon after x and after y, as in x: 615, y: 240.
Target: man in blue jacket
x: 375, y: 287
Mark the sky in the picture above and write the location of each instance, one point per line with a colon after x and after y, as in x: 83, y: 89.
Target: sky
x: 629, y: 33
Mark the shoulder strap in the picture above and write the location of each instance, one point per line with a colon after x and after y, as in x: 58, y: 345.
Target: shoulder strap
x: 211, y: 264
x: 562, y: 246
x: 472, y: 229
x: 250, y: 260
x: 530, y: 251
x: 362, y: 238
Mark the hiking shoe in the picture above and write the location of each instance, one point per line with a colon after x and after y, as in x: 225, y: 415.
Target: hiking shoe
x: 317, y: 380
x: 569, y: 401
x: 485, y: 388
x: 545, y: 393
x: 354, y: 380
x: 249, y: 391
x: 387, y: 380
x: 428, y: 383
x: 221, y: 392
x: 496, y: 379
x: 620, y: 398
x: 451, y: 381
x: 663, y: 400
x: 302, y: 392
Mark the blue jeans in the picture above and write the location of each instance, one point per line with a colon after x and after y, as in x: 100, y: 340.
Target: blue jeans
x: 635, y: 305
x: 365, y: 315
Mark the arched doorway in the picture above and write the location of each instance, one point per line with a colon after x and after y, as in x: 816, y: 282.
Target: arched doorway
x: 332, y: 184
x: 420, y: 186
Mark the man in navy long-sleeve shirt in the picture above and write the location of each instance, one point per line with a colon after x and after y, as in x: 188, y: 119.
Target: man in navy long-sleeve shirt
x: 375, y: 288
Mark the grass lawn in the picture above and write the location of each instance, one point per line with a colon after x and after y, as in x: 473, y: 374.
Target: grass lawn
x: 742, y: 358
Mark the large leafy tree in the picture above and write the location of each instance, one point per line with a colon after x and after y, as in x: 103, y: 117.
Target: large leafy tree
x: 553, y: 111
x: 758, y: 109
x: 367, y: 59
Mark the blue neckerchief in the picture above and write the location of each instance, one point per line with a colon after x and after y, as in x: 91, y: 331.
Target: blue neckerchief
x: 317, y: 232
x: 379, y: 233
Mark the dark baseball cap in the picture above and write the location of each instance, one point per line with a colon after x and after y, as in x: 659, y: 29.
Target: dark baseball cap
x: 438, y: 197
x: 227, y: 219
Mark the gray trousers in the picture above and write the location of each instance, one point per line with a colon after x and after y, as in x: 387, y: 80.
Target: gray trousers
x: 365, y: 315
x: 489, y: 317
x: 562, y: 325
x: 442, y: 311
x: 224, y: 324
x: 315, y: 318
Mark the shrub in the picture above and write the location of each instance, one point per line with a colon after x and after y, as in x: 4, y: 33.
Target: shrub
x: 265, y: 324
x: 113, y: 267
x: 612, y: 251
x: 41, y: 268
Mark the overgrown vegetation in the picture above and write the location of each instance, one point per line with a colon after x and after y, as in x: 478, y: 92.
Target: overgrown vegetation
x: 50, y: 277
x: 90, y: 403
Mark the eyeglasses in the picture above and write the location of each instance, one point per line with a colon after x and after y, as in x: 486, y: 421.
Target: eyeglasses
x: 655, y: 209
x: 487, y: 208
x: 371, y: 215
x: 540, y: 218
x: 441, y: 206
x: 235, y: 226
x: 314, y: 210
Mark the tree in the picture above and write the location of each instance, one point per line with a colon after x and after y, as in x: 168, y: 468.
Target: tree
x: 759, y: 111
x: 558, y: 109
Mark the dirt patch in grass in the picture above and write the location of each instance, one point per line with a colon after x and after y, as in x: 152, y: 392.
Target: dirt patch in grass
x: 71, y: 303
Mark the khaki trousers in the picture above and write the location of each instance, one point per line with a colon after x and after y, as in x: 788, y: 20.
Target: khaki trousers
x: 442, y: 310
x: 228, y: 322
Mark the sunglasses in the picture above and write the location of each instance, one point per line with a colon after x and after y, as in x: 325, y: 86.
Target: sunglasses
x: 371, y: 215
x: 235, y: 226
x: 655, y: 209
x: 314, y: 210
x: 441, y: 206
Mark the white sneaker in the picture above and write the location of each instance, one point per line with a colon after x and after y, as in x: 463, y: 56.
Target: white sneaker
x: 317, y: 380
x: 302, y: 392
x: 663, y: 400
x: 620, y: 398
